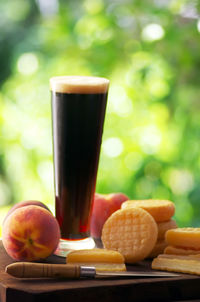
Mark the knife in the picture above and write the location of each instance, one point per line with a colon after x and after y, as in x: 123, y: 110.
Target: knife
x: 69, y: 271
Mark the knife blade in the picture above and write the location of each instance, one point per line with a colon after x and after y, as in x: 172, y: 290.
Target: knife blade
x: 44, y: 270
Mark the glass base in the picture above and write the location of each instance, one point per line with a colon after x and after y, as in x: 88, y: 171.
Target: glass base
x: 66, y: 246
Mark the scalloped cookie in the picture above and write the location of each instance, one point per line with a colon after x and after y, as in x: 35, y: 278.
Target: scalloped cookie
x: 161, y: 210
x: 132, y: 232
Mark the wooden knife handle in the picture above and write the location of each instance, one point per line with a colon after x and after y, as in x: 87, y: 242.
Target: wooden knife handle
x: 43, y: 270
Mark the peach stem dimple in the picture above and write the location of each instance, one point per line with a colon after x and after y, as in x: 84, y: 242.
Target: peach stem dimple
x: 30, y: 241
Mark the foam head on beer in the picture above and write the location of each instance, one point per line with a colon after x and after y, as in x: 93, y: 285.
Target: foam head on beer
x: 79, y: 84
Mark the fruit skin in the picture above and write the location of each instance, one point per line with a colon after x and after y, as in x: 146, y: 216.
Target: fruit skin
x: 26, y: 203
x: 104, y: 205
x: 30, y: 233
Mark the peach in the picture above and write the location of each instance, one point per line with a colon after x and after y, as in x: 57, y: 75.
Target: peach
x: 26, y: 203
x: 30, y: 233
x: 104, y: 205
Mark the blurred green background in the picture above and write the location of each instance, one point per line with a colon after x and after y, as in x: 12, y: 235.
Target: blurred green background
x: 150, y: 51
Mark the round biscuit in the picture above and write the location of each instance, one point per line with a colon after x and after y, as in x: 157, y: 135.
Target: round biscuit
x: 158, y: 249
x: 184, y: 237
x: 161, y: 210
x: 164, y: 226
x: 132, y: 232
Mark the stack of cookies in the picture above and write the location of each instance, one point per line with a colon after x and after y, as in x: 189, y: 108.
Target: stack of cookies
x: 182, y: 253
x: 162, y: 212
x: 183, y: 241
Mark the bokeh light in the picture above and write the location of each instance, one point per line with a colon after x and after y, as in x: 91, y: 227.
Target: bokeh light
x: 198, y: 25
x: 152, y: 32
x: 27, y: 64
x: 112, y: 147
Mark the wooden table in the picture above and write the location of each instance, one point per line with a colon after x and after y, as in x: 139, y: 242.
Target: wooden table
x: 182, y: 288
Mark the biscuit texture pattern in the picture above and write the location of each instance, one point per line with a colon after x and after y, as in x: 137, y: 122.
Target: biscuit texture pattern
x: 131, y: 231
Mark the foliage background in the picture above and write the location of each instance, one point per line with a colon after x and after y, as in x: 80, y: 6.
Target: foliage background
x: 149, y: 50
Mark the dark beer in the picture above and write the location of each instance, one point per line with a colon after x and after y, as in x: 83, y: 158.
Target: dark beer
x: 78, y: 111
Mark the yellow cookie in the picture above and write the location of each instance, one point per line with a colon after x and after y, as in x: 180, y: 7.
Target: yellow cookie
x: 172, y: 250
x: 163, y: 227
x: 184, y: 238
x: 177, y: 264
x: 132, y: 232
x: 161, y: 210
x: 158, y: 249
x: 101, y: 259
x: 183, y: 257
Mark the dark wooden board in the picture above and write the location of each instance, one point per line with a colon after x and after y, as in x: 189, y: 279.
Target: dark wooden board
x: 184, y: 287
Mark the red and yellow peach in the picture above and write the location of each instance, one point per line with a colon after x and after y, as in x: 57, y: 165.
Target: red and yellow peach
x: 104, y: 205
x: 26, y: 203
x: 30, y: 233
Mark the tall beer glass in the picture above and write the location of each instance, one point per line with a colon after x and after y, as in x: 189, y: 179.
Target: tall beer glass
x: 78, y: 111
